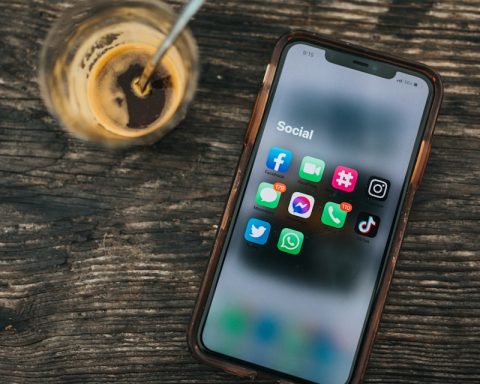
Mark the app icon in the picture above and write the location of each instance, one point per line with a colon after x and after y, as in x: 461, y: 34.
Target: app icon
x: 378, y: 188
x: 311, y: 169
x: 234, y: 321
x: 267, y: 196
x: 367, y: 224
x: 333, y: 215
x: 279, y: 159
x: 344, y: 178
x: 267, y: 329
x: 324, y: 347
x: 301, y: 205
x: 290, y: 241
x: 257, y: 231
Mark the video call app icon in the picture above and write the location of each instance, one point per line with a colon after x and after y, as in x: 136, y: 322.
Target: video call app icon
x: 311, y: 169
x: 257, y: 231
x: 279, y: 159
x: 344, y: 178
x: 378, y: 188
x: 301, y: 205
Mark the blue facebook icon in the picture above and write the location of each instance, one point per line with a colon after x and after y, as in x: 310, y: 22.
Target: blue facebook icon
x: 279, y: 159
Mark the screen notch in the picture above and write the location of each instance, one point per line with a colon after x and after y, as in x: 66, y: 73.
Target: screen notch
x: 362, y: 64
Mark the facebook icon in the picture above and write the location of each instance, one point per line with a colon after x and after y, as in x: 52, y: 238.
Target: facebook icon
x: 279, y: 159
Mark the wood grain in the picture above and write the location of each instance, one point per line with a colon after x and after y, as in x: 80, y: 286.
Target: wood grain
x: 102, y: 252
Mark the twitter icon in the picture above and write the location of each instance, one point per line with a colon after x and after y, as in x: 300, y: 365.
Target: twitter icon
x: 257, y: 231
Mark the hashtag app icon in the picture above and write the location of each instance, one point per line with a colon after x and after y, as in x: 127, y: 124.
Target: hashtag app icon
x: 344, y: 178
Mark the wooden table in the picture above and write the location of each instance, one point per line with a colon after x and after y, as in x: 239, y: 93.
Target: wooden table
x: 102, y: 252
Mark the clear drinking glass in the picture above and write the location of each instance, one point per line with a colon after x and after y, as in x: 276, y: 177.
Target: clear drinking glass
x: 91, y: 47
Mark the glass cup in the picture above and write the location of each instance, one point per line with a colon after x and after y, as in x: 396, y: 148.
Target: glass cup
x: 89, y: 61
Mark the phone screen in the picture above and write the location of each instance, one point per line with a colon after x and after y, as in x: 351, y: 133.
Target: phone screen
x: 311, y: 229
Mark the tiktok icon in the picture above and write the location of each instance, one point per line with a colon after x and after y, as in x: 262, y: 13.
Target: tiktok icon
x: 367, y: 224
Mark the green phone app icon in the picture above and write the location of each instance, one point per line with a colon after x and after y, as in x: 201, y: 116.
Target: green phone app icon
x: 290, y: 241
x: 333, y: 215
x: 311, y: 169
x: 267, y: 196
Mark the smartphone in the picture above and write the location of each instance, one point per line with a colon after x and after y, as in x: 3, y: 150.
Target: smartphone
x: 303, y: 258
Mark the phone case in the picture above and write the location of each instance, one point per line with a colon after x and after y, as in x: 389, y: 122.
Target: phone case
x: 249, y: 140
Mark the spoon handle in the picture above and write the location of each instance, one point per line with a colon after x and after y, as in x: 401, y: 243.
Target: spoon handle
x: 187, y: 13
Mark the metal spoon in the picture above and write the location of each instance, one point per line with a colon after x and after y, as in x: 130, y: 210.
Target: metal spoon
x: 187, y: 13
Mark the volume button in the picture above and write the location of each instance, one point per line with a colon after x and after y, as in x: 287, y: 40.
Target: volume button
x: 267, y: 70
x: 262, y: 93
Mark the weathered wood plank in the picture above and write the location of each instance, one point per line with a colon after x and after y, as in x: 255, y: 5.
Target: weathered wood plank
x: 102, y: 252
